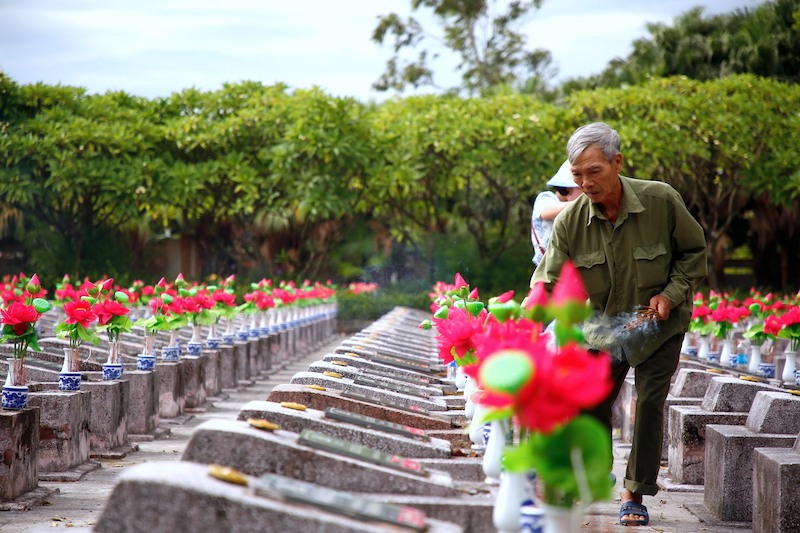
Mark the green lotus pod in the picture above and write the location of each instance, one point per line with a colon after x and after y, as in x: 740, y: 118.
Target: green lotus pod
x: 121, y: 297
x: 167, y: 298
x: 41, y: 305
x: 506, y: 371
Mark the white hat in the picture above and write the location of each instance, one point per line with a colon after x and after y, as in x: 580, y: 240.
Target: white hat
x: 563, y: 177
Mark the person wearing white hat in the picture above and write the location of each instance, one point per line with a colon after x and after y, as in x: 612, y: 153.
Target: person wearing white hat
x: 547, y: 205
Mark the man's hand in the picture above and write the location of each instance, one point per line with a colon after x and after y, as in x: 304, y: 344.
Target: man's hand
x: 661, y: 304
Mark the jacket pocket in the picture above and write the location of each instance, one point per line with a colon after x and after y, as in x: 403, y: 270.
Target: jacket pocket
x: 652, y: 266
x: 594, y: 271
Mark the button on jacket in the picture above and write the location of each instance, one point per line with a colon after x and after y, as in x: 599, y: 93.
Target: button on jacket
x: 654, y: 247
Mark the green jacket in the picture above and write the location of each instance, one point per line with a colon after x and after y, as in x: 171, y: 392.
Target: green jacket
x: 656, y: 246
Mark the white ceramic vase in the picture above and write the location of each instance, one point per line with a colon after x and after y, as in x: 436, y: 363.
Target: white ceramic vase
x: 562, y: 519
x: 726, y: 352
x: 510, y: 495
x: 789, y: 366
x: 702, y: 351
x: 755, y: 359
x: 493, y: 455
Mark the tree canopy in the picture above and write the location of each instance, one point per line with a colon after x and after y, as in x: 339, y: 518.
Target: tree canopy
x: 485, y: 36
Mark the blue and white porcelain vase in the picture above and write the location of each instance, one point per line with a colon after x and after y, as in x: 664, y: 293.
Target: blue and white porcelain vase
x: 212, y: 341
x: 70, y: 377
x: 15, y: 392
x: 145, y: 362
x: 170, y: 353
x: 112, y: 368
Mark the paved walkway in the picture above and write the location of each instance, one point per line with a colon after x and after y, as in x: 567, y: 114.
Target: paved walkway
x: 78, y: 505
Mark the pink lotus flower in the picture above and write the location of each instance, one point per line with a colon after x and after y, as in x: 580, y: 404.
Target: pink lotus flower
x: 562, y: 383
x: 109, y: 309
x: 19, y: 316
x: 456, y: 333
x: 569, y: 287
x: 79, y: 312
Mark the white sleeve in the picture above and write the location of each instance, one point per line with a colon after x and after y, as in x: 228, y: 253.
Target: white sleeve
x: 542, y: 202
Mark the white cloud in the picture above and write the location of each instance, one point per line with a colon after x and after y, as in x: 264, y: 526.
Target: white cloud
x: 153, y: 48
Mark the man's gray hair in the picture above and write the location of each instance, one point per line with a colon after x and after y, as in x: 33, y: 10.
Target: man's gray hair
x: 598, y: 134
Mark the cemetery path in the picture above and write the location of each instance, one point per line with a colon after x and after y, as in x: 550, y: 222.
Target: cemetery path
x: 78, y: 505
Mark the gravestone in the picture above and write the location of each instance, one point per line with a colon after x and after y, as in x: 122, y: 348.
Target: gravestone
x: 19, y: 443
x: 64, y: 423
x: 181, y: 496
x: 776, y: 489
x: 435, y: 403
x: 727, y: 401
x: 773, y: 421
x: 374, y: 433
x: 398, y: 413
x: 255, y: 452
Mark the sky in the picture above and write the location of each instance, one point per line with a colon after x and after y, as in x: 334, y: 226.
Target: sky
x: 153, y: 48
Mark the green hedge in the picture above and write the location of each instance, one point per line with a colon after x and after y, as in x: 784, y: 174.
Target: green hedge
x: 373, y: 305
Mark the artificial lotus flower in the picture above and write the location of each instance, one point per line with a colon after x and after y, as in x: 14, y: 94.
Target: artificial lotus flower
x: 456, y: 333
x: 561, y: 382
x: 77, y: 326
x: 568, y: 301
x: 19, y: 325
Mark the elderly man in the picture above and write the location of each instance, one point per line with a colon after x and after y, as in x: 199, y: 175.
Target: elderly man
x: 635, y: 244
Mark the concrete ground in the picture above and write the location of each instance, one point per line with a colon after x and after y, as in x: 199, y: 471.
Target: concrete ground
x: 78, y: 505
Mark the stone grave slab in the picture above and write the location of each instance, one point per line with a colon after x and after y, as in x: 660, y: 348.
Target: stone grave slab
x: 19, y: 441
x: 461, y: 469
x: 227, y: 367
x: 382, y: 436
x: 329, y: 382
x: 473, y: 514
x: 255, y: 452
x: 321, y: 399
x: 688, y: 388
x: 171, y: 401
x: 424, y: 390
x: 400, y: 374
x: 378, y: 349
x: 143, y: 403
x: 212, y: 382
x: 64, y: 422
x: 422, y: 364
x: 773, y: 422
x: 167, y: 490
x: 243, y: 371
x: 458, y: 438
x: 108, y: 424
x: 194, y: 381
x: 726, y: 402
x: 776, y: 489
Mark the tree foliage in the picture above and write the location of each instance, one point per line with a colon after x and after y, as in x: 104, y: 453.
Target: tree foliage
x: 269, y: 182
x: 764, y: 41
x: 483, y: 34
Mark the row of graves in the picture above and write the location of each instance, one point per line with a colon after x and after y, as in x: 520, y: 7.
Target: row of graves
x: 71, y: 421
x: 371, y: 437
x: 733, y: 435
